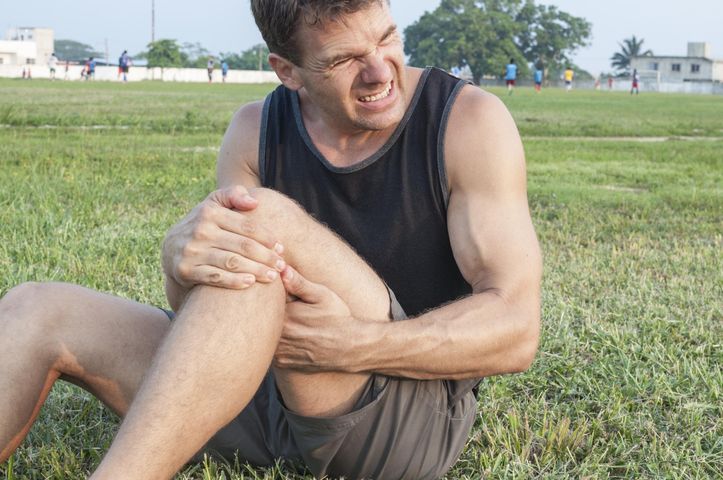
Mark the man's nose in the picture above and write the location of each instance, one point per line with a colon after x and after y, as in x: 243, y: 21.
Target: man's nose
x: 376, y: 70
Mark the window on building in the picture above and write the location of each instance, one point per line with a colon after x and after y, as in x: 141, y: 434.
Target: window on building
x: 30, y: 61
x: 695, y: 68
x: 654, y: 66
x: 2, y: 60
x: 676, y: 67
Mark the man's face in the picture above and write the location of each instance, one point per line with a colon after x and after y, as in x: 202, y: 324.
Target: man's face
x: 353, y: 70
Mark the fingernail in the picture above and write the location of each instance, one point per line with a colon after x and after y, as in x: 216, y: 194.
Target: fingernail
x: 249, y: 280
x: 280, y: 265
x: 278, y: 248
x: 271, y: 274
x: 249, y: 198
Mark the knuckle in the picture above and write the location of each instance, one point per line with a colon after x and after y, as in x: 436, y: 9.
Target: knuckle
x: 249, y: 228
x: 214, y: 278
x: 201, y: 232
x: 244, y: 246
x: 183, y: 270
x: 238, y: 189
x: 206, y: 211
x: 189, y: 250
x: 232, y: 263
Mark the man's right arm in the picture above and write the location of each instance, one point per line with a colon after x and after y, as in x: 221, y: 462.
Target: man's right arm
x: 216, y: 244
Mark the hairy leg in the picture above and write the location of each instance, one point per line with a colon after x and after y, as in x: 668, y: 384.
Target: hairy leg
x: 49, y: 331
x: 222, y: 343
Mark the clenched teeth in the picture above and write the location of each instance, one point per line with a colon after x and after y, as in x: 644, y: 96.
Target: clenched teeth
x: 378, y: 96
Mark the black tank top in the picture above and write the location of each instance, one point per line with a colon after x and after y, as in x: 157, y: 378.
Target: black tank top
x: 391, y: 207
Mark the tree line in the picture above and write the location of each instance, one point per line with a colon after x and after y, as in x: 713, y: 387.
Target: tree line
x: 480, y: 34
x: 171, y: 53
x: 485, y: 34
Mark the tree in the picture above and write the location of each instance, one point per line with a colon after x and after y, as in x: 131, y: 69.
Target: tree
x: 550, y: 36
x: 631, y: 47
x: 255, y: 58
x: 164, y: 53
x: 196, y: 56
x: 485, y: 34
x: 460, y: 33
x: 74, y: 51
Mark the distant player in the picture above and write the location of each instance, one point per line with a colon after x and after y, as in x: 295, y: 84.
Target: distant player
x: 569, y: 75
x: 90, y: 69
x: 510, y: 75
x: 636, y: 82
x: 124, y: 63
x: 224, y: 70
x: 52, y: 63
x: 210, y: 66
x: 610, y: 82
x: 538, y: 79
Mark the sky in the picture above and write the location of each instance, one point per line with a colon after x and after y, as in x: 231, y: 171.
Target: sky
x: 227, y: 25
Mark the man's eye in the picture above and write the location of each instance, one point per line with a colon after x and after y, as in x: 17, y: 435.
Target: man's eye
x: 341, y: 62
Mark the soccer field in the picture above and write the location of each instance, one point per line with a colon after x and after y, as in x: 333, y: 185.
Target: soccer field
x: 626, y: 194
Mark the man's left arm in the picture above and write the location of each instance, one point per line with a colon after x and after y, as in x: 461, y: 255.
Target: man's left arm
x: 496, y: 329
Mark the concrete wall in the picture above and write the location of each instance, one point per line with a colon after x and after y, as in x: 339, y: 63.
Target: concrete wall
x: 140, y: 73
x: 624, y: 85
x: 45, y: 44
x: 718, y: 70
x: 17, y: 52
x: 667, y: 74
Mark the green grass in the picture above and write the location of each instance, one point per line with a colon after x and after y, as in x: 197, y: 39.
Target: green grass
x: 628, y: 380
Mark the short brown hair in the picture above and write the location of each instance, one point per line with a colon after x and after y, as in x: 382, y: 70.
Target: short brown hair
x: 279, y: 20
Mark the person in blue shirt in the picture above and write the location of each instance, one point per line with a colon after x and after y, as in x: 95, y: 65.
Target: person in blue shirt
x: 510, y: 75
x: 124, y: 63
x: 224, y: 70
x: 538, y: 79
x: 90, y: 69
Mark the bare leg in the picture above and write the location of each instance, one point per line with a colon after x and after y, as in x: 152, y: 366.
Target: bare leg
x: 222, y: 343
x: 49, y: 331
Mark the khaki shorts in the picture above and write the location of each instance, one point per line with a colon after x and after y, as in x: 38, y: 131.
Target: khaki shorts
x: 399, y: 429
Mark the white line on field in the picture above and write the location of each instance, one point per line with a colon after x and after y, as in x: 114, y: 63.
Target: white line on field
x: 627, y: 139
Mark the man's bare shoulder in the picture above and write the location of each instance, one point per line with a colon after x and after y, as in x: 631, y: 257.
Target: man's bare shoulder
x: 238, y: 161
x: 482, y: 142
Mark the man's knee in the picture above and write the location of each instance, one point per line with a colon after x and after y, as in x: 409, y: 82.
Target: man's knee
x: 278, y: 213
x: 24, y: 313
x: 20, y: 299
x: 34, y: 307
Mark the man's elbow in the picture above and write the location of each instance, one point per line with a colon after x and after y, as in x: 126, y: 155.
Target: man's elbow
x: 528, y: 342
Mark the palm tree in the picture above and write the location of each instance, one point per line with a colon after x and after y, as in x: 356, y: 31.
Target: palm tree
x: 631, y: 47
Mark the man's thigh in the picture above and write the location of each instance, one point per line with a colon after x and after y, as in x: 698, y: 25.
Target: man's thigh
x: 400, y: 428
x: 322, y: 257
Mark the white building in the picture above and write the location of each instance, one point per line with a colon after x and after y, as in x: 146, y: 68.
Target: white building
x: 27, y: 46
x: 697, y: 66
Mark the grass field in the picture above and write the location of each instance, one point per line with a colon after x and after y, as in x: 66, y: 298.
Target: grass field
x: 626, y: 195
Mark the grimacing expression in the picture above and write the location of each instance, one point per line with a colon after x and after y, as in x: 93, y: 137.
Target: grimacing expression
x: 353, y: 70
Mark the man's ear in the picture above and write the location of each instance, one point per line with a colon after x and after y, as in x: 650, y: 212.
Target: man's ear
x: 286, y: 71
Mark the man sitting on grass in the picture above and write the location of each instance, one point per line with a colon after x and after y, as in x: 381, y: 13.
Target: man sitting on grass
x: 368, y: 257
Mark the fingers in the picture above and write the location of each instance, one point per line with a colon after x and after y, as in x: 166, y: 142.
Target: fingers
x: 233, y: 263
x: 251, y: 251
x: 240, y: 224
x: 209, y: 275
x: 298, y: 286
x: 234, y: 197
